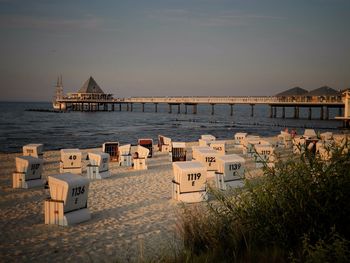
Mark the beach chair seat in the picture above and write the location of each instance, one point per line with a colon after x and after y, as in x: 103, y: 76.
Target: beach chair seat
x: 178, y: 152
x: 112, y: 148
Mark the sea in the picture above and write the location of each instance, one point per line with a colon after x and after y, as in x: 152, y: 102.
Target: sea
x: 83, y: 130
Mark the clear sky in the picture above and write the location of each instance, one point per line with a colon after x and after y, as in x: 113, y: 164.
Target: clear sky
x: 173, y: 47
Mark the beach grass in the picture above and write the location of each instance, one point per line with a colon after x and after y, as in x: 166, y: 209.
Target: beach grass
x: 297, y: 212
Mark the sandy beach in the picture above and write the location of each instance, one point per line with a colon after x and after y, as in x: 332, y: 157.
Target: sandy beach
x: 133, y: 215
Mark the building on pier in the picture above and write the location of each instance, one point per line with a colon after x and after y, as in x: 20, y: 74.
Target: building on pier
x: 298, y: 94
x: 295, y: 94
x: 90, y: 91
x: 324, y: 93
x: 88, y: 98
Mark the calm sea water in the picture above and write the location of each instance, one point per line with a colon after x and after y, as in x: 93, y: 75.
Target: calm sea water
x: 90, y: 129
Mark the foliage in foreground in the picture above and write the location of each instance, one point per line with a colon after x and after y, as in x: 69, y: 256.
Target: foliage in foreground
x: 297, y: 212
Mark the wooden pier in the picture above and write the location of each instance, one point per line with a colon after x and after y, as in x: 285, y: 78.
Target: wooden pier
x: 90, y: 97
x: 274, y: 103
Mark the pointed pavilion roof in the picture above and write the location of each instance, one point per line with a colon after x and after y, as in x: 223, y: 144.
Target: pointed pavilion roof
x: 90, y: 86
x: 324, y: 91
x: 297, y: 91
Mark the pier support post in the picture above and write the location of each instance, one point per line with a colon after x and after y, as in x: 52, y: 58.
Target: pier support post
x: 120, y: 107
x: 212, y: 108
x: 271, y: 110
x: 127, y: 106
x: 231, y: 109
x: 252, y: 110
x: 275, y: 111
x: 321, y: 113
x: 155, y: 107
x: 283, y: 112
x: 185, y: 108
x: 310, y: 113
x: 339, y: 112
x: 178, y: 109
x: 194, y: 109
x: 131, y: 106
x: 295, y: 112
x: 327, y: 113
x: 143, y: 107
x: 170, y: 108
x: 112, y: 106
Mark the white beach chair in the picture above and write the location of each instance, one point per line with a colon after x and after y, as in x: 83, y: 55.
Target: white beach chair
x: 99, y: 165
x: 230, y: 172
x: 34, y: 150
x: 28, y: 172
x: 189, y: 183
x: 139, y: 157
x: 70, y: 161
x: 125, y: 157
x: 68, y: 202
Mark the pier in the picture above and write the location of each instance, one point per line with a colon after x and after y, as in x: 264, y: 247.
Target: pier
x: 190, y: 105
x: 91, y: 98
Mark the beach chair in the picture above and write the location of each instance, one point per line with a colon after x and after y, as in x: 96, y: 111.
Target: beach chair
x: 125, y: 157
x: 248, y: 144
x: 230, y: 171
x: 219, y: 146
x: 299, y: 145
x: 326, y: 136
x: 239, y: 137
x: 264, y: 154
x: 284, y: 140
x: 28, y: 172
x: 178, y: 152
x: 112, y: 148
x: 309, y: 134
x: 67, y: 204
x: 206, y: 139
x: 164, y: 144
x: 139, y: 158
x: 98, y: 168
x: 34, y: 150
x: 147, y: 143
x: 70, y: 161
x: 189, y: 183
x: 324, y: 150
x: 207, y: 157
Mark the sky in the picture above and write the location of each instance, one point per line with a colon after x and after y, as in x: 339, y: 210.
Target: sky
x: 173, y: 47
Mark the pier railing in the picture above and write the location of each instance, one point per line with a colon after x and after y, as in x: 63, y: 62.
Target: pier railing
x: 230, y: 100
x: 209, y: 100
x: 202, y: 100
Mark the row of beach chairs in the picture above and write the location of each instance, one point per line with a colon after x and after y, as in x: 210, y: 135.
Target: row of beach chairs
x: 210, y: 161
